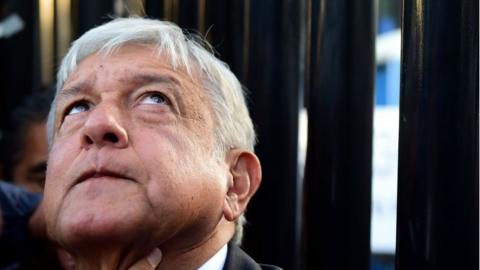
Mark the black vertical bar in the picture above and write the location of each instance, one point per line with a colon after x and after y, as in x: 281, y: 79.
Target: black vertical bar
x: 273, y: 79
x: 339, y: 155
x: 437, y: 218
x: 224, y: 23
x: 17, y: 52
x: 154, y: 9
x: 92, y: 13
x: 188, y: 15
x: 36, y: 55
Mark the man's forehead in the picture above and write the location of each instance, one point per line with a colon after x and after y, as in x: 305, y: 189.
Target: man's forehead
x: 138, y: 78
x: 129, y: 57
x: 96, y: 74
x: 138, y: 66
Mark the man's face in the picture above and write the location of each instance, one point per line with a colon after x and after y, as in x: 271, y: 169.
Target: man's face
x: 30, y: 170
x: 132, y: 158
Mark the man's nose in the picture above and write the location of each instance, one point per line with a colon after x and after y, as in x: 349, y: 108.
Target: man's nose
x: 104, y: 128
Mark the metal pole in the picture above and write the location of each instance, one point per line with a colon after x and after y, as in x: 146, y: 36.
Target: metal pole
x: 437, y: 218
x: 339, y: 156
x: 273, y: 79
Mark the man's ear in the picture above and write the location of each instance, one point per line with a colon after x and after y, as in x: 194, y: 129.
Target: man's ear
x: 245, y: 177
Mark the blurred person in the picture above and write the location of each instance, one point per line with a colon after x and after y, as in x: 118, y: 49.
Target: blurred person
x: 22, y: 239
x: 26, y: 149
x: 151, y: 162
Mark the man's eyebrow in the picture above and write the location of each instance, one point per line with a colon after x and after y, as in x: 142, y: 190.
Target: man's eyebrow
x: 144, y: 79
x: 136, y: 79
x: 74, y: 90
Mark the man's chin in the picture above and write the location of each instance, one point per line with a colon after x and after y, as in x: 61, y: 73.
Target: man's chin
x: 95, y: 229
x: 93, y: 212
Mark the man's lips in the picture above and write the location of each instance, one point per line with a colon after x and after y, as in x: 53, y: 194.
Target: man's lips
x: 92, y: 174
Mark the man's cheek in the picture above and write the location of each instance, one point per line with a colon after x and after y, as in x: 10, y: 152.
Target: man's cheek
x: 59, y: 161
x: 52, y: 189
x: 55, y: 183
x: 52, y: 179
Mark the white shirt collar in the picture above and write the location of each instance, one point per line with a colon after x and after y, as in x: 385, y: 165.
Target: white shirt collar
x: 217, y: 261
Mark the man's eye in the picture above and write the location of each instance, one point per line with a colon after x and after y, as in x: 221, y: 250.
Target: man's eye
x: 78, y: 108
x: 154, y: 98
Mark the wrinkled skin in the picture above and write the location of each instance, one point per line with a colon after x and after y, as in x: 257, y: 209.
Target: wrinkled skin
x: 132, y: 167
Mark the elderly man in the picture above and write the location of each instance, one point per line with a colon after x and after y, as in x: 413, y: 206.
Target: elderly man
x: 151, y: 152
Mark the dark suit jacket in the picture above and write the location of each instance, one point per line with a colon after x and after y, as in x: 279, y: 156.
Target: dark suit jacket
x: 237, y: 259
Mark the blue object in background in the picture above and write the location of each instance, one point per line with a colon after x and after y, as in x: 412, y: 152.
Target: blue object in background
x: 385, y: 24
x: 387, y: 85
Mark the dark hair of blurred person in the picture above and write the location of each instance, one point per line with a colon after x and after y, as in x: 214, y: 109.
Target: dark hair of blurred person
x: 26, y: 149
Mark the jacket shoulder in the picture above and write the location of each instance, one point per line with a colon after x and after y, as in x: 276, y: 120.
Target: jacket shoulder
x: 237, y: 259
x: 269, y: 267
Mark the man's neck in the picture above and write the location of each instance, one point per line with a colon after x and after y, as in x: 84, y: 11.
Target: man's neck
x: 191, y: 257
x: 197, y: 255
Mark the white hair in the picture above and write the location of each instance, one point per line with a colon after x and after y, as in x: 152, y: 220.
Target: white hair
x: 234, y: 127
